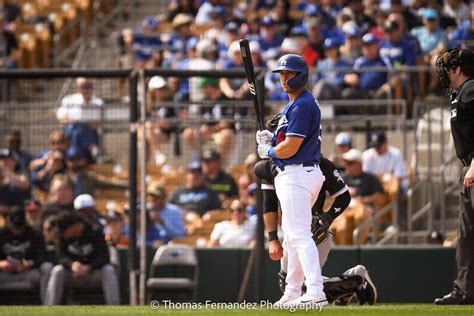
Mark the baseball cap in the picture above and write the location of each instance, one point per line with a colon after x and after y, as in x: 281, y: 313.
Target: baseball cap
x: 330, y: 43
x: 156, y: 188
x: 267, y: 21
x: 369, y: 39
x: 16, y: 217
x: 377, y: 138
x: 150, y: 22
x: 298, y: 30
x: 195, y: 166
x: 210, y: 154
x: 430, y: 14
x: 352, y: 155
x: 156, y: 82
x: 206, y: 82
x: 311, y: 10
x: 231, y: 27
x: 343, y: 139
x: 75, y: 152
x: 181, y: 19
x: 83, y: 201
x: 350, y: 29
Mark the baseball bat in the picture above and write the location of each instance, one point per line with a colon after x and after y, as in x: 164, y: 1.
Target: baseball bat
x: 248, y: 65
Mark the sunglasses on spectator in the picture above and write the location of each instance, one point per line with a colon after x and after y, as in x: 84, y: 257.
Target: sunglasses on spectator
x: 238, y: 209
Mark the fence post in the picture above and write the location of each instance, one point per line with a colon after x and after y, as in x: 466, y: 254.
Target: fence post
x: 132, y: 183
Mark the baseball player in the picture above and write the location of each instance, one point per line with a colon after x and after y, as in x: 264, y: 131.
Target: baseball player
x: 295, y: 150
x: 355, y: 281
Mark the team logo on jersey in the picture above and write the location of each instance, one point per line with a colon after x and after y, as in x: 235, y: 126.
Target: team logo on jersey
x: 454, y: 113
x: 337, y: 175
x: 283, y: 121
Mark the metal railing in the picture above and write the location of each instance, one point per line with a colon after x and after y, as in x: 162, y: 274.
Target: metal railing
x: 61, y: 54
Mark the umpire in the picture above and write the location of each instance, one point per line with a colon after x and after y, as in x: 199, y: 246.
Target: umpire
x: 456, y: 71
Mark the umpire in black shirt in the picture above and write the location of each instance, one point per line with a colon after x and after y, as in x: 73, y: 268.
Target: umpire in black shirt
x: 83, y: 260
x: 456, y: 71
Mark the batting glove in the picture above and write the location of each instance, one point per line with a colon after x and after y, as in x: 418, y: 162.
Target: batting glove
x: 263, y: 149
x: 264, y: 137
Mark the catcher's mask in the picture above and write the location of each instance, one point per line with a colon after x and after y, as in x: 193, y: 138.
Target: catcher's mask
x: 452, y: 59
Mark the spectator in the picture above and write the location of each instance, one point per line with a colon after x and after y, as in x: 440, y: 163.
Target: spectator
x: 248, y: 176
x: 367, y: 84
x: 343, y: 143
x: 13, y: 144
x: 154, y: 237
x: 217, y: 125
x: 182, y: 93
x: 216, y: 178
x: 189, y: 7
x: 42, y: 175
x: 10, y: 195
x: 34, y: 214
x: 195, y: 195
x: 9, y: 52
x: 382, y: 158
x: 352, y: 48
x: 234, y: 88
x: 84, y: 181
x: 166, y: 217
x: 315, y: 38
x: 140, y: 44
x: 57, y: 141
x: 203, y: 15
x: 456, y: 9
x: 433, y: 41
x: 377, y: 30
x: 235, y: 233
x: 251, y: 200
x: 396, y: 47
x: 114, y: 228
x: 230, y: 34
x: 216, y: 24
x: 60, y: 198
x: 159, y: 128
x: 365, y: 190
x: 363, y: 21
x: 17, y: 177
x: 207, y: 54
x: 80, y: 134
x: 329, y: 81
x: 22, y: 253
x: 83, y: 260
x: 49, y: 229
x: 180, y: 35
x: 463, y: 35
x: 269, y: 39
x: 84, y: 205
x: 411, y: 19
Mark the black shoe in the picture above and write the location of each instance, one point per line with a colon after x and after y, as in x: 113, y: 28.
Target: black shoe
x: 338, y: 286
x: 344, y: 299
x: 453, y: 298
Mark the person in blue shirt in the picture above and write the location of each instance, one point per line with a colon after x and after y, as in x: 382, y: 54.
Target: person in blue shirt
x: 154, y: 237
x: 269, y: 39
x: 330, y: 82
x: 167, y: 218
x: 368, y: 84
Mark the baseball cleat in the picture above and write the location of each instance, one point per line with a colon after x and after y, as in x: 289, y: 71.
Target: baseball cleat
x: 368, y: 292
x: 453, y: 298
x: 344, y: 299
x: 310, y: 301
x: 285, y: 300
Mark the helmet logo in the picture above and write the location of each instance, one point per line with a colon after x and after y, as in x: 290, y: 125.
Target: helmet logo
x: 283, y: 62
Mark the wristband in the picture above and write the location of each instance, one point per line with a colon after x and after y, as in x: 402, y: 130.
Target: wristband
x: 273, y: 235
x: 271, y: 152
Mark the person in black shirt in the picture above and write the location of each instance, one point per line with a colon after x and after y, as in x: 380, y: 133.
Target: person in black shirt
x: 216, y: 178
x: 195, y: 196
x: 22, y: 253
x: 455, y: 70
x: 83, y: 260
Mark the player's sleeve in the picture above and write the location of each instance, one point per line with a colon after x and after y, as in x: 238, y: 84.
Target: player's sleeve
x: 270, y: 199
x: 302, y: 118
x: 334, y: 183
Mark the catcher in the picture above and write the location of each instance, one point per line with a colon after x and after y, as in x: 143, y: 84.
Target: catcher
x: 354, y: 281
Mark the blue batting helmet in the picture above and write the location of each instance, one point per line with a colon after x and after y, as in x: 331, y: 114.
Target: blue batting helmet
x: 294, y: 63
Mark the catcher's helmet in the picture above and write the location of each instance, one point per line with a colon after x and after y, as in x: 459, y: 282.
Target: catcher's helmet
x: 295, y: 63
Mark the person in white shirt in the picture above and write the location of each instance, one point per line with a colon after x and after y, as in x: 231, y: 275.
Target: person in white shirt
x: 237, y: 232
x: 80, y: 134
x: 382, y: 158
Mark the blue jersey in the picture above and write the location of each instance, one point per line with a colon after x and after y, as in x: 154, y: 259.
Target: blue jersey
x: 301, y: 118
x: 399, y: 53
x: 372, y: 80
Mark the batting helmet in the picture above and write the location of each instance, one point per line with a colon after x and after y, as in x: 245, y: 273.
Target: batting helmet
x: 294, y: 63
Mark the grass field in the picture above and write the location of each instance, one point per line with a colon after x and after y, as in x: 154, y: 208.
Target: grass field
x: 382, y: 310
